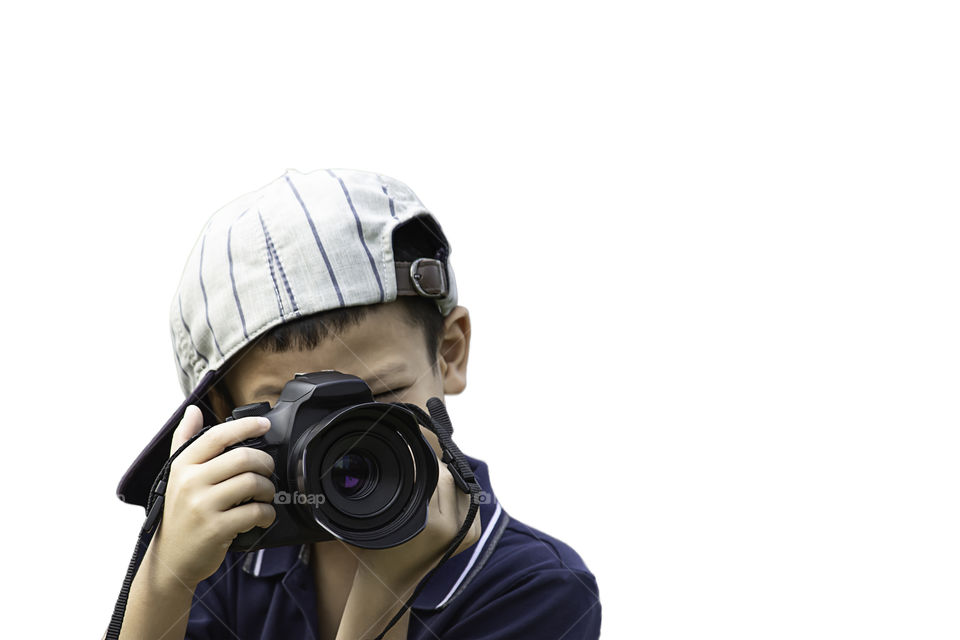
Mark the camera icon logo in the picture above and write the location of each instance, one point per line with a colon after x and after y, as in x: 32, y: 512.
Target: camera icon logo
x: 281, y: 497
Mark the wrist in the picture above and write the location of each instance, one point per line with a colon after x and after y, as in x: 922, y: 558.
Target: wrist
x: 161, y: 578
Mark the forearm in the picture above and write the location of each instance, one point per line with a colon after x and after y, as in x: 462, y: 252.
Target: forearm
x: 158, y: 606
x: 370, y: 606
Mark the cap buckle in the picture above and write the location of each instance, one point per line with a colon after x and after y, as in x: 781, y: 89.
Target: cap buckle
x: 415, y: 277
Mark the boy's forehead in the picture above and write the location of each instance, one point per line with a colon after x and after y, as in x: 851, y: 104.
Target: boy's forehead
x: 381, y: 346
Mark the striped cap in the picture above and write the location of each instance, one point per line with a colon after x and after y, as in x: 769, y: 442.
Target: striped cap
x: 304, y: 243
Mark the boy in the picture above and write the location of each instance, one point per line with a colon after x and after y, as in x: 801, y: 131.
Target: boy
x: 342, y: 270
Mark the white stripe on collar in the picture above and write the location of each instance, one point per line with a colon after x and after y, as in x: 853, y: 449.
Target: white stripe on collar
x: 476, y: 554
x: 258, y: 561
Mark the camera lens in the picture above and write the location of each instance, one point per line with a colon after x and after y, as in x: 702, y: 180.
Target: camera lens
x: 375, y: 471
x: 354, y: 475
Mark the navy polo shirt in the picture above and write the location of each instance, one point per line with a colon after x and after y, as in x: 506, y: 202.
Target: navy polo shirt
x: 515, y: 582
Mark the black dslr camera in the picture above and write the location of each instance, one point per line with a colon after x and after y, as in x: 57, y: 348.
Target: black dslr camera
x: 346, y: 467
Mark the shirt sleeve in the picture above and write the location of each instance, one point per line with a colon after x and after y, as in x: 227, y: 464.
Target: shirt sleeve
x: 545, y: 605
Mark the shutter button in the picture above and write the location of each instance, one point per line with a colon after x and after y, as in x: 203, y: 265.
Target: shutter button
x: 247, y: 410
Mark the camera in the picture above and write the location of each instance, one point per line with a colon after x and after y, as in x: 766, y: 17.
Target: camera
x: 346, y: 467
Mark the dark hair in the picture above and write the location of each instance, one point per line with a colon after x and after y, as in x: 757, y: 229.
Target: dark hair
x: 418, y: 237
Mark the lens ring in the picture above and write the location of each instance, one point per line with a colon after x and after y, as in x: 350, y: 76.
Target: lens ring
x: 355, y: 474
x: 379, y: 480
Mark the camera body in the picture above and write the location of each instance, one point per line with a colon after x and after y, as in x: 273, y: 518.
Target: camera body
x: 345, y: 467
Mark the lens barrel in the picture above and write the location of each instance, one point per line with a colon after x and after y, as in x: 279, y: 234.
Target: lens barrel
x: 371, y: 472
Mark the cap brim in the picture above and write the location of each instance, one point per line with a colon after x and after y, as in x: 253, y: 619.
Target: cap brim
x: 135, y: 484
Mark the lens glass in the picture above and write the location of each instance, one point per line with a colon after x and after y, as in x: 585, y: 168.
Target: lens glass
x: 352, y: 474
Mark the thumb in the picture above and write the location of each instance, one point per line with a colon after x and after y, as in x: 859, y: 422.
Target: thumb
x: 191, y: 423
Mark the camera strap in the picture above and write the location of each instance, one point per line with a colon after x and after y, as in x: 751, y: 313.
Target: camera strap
x: 154, y: 513
x: 439, y: 422
x: 436, y: 421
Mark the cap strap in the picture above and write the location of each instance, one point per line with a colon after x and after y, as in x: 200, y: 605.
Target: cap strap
x: 425, y: 277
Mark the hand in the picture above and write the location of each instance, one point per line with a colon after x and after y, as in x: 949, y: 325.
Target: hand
x: 204, y: 506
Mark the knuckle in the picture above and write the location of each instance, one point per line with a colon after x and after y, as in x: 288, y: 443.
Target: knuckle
x: 191, y: 478
x: 194, y: 505
x: 267, y: 513
x: 266, y: 461
x: 256, y: 481
x: 268, y: 489
x: 180, y: 479
x: 249, y: 483
x: 211, y: 531
x: 250, y: 457
x: 176, y: 465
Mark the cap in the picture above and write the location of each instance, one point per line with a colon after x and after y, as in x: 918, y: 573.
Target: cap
x: 304, y: 243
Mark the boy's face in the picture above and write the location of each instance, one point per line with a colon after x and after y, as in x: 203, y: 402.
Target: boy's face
x: 383, y: 349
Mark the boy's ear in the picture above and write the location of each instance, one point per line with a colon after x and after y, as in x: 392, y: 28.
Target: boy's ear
x: 455, y: 350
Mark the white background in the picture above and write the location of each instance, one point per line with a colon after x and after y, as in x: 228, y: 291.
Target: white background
x: 709, y: 250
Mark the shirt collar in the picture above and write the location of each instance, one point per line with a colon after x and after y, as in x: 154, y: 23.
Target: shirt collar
x: 446, y: 584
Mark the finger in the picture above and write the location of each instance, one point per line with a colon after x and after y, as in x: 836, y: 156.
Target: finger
x: 237, y: 461
x: 213, y: 442
x: 249, y: 515
x: 190, y: 424
x: 241, y: 488
x: 433, y: 441
x: 433, y: 506
x: 445, y: 503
